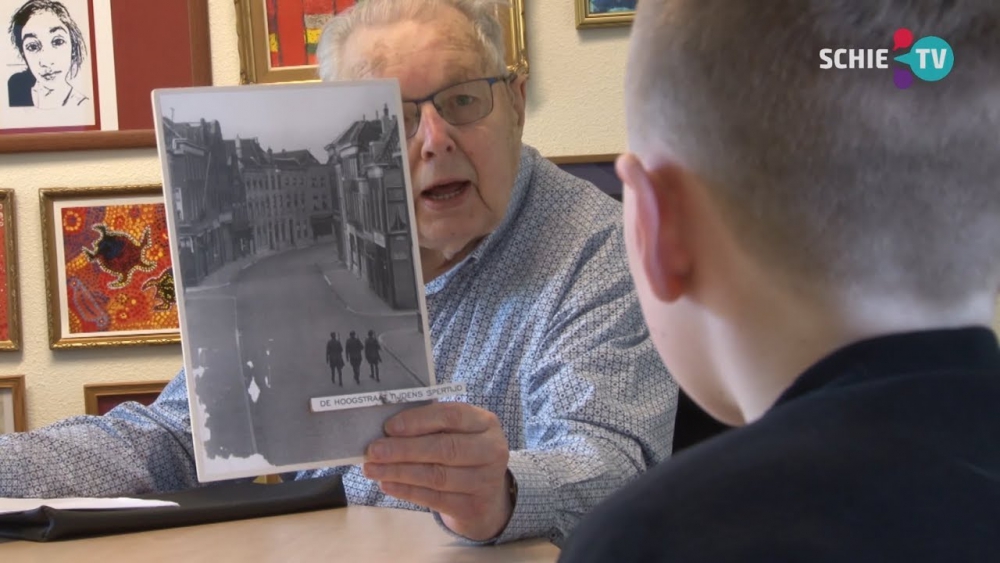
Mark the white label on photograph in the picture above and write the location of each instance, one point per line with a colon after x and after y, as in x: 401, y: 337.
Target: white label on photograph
x: 341, y: 402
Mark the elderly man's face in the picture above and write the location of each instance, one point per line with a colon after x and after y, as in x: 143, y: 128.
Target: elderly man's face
x: 463, y: 175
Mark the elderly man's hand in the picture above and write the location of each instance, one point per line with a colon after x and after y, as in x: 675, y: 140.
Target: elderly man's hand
x: 451, y: 458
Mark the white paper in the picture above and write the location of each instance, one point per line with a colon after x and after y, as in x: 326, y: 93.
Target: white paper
x: 11, y: 505
x: 293, y: 235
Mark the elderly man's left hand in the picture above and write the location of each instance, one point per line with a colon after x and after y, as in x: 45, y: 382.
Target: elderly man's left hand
x: 448, y: 457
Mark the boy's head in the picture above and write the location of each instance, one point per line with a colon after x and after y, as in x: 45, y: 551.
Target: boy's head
x: 755, y: 174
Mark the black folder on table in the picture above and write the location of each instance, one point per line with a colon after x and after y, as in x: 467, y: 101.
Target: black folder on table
x: 203, y: 505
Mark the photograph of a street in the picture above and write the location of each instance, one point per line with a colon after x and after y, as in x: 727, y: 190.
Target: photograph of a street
x: 298, y: 278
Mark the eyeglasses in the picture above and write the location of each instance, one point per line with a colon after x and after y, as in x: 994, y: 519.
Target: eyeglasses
x: 458, y: 104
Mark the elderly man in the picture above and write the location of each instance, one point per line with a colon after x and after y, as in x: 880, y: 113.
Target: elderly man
x: 530, y: 304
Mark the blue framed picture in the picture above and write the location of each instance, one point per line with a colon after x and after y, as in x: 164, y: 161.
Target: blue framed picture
x: 604, y: 13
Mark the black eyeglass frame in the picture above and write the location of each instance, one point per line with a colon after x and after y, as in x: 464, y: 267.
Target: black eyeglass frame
x: 491, y: 80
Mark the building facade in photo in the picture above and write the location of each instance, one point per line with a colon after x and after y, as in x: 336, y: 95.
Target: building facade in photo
x: 209, y: 199
x: 370, y: 208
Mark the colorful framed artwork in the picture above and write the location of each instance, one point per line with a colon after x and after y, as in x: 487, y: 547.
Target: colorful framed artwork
x: 10, y: 308
x: 109, y: 277
x: 99, y: 398
x: 13, y: 417
x: 598, y: 169
x: 78, y: 73
x: 278, y: 38
x: 604, y: 13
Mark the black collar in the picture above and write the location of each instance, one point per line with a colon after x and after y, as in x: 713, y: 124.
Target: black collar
x: 947, y: 350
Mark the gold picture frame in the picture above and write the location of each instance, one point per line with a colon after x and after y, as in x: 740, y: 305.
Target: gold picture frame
x: 10, y: 299
x: 586, y: 17
x: 108, y: 269
x: 12, y: 397
x: 255, y: 44
x: 99, y: 398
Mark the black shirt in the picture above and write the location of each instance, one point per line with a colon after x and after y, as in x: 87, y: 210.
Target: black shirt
x: 886, y: 450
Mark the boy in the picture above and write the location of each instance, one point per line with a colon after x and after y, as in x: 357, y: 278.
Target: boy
x: 817, y: 254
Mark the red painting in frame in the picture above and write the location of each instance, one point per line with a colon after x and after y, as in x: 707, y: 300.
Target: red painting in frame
x: 294, y: 27
x: 127, y: 57
x: 278, y: 38
x: 10, y: 310
x: 109, y: 273
x: 100, y: 398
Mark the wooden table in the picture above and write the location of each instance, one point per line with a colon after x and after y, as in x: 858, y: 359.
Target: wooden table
x: 356, y: 533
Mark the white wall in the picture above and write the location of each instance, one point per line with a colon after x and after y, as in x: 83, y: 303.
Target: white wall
x: 574, y: 108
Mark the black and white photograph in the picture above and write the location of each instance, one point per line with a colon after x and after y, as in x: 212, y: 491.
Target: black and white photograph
x: 297, y: 272
x: 47, y: 63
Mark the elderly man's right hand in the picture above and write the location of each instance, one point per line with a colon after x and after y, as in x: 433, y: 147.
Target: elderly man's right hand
x: 450, y: 458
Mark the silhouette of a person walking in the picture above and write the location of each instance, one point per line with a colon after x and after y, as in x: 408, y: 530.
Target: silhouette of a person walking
x: 335, y: 359
x: 353, y: 347
x: 372, y: 348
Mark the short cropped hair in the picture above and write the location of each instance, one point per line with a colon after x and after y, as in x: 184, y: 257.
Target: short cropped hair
x: 835, y: 176
x: 481, y: 14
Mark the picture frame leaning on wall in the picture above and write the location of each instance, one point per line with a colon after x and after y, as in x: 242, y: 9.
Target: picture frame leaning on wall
x: 13, y: 416
x: 99, y: 398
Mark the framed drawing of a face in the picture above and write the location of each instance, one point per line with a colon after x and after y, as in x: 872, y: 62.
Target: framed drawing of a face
x: 278, y: 38
x: 78, y: 73
x: 109, y: 276
x: 10, y: 314
x: 50, y: 66
x: 12, y: 413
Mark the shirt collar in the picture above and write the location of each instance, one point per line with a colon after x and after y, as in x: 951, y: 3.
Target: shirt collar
x: 961, y: 349
x: 518, y: 195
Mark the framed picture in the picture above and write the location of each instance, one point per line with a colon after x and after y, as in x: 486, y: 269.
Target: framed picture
x: 296, y: 254
x: 99, y: 398
x: 12, y: 414
x: 78, y: 73
x: 278, y: 38
x: 10, y: 309
x: 109, y: 277
x: 604, y: 13
x: 598, y: 169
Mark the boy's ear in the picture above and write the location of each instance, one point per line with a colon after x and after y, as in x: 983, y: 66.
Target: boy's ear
x: 661, y: 248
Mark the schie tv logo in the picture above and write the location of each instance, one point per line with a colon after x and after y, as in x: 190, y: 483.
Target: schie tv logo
x: 930, y: 58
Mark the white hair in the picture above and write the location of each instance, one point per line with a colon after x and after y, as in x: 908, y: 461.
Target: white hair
x: 482, y: 14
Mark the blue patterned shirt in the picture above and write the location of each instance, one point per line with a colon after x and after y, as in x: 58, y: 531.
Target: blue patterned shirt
x: 540, y: 321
